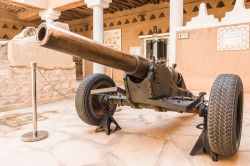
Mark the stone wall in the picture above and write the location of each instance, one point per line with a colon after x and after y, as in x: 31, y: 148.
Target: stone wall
x: 52, y: 85
x: 56, y: 78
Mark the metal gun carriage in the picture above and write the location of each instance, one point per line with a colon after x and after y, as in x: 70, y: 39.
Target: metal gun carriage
x: 150, y: 84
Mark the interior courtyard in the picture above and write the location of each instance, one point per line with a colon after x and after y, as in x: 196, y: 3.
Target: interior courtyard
x: 200, y: 39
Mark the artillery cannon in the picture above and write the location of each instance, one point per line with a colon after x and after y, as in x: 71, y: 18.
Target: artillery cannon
x: 150, y: 84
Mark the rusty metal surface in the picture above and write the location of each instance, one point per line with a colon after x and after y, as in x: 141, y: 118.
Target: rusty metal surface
x: 55, y: 38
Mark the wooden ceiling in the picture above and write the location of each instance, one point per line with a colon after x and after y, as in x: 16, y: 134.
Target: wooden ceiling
x: 79, y: 10
x: 11, y: 8
x: 115, y: 6
x: 119, y: 5
x: 76, y: 13
x: 15, y: 7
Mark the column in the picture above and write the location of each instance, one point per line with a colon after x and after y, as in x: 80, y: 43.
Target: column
x: 49, y: 15
x: 176, y: 21
x: 98, y: 6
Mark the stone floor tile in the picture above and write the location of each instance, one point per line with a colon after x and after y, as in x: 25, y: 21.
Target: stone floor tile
x: 147, y: 138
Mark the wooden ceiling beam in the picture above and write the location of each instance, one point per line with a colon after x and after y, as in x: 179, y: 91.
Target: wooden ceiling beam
x: 141, y: 2
x: 111, y: 10
x: 66, y: 17
x: 113, y: 5
x: 74, y: 14
x: 76, y: 9
x: 84, y: 10
x: 134, y: 3
x: 34, y: 14
x: 5, y: 14
x: 11, y: 2
x: 28, y: 15
x: 70, y: 6
x: 122, y: 4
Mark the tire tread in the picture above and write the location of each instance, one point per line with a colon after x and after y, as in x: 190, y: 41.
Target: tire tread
x: 82, y: 93
x: 221, y: 114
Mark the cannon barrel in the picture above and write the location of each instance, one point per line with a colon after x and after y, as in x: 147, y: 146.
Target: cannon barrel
x: 52, y: 37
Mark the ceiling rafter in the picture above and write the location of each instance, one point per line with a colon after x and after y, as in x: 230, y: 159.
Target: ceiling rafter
x: 78, y: 10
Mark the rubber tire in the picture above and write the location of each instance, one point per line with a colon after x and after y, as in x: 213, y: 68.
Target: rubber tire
x: 83, y: 107
x: 225, y: 114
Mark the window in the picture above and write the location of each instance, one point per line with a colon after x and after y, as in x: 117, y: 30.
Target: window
x: 156, y: 46
x: 156, y: 49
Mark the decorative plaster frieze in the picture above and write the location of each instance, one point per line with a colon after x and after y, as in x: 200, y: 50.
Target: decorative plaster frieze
x: 239, y: 14
x: 233, y: 38
x: 202, y: 20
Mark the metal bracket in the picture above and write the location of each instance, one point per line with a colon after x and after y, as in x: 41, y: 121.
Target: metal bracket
x: 106, y: 121
x: 202, y: 144
x: 108, y: 90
